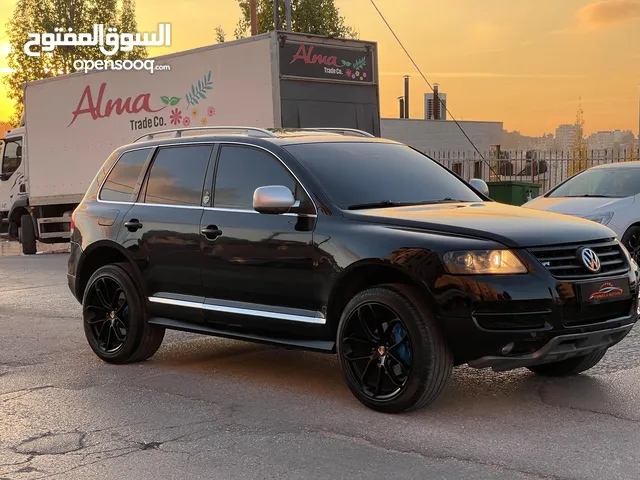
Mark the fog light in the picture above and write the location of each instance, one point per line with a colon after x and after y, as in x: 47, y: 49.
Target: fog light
x: 506, y: 350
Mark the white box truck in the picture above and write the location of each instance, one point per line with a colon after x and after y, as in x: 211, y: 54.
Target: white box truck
x: 73, y: 122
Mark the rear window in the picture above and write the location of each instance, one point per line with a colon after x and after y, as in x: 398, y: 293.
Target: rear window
x: 122, y: 180
x: 364, y: 172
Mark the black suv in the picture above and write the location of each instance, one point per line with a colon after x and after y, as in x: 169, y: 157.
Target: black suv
x: 342, y: 244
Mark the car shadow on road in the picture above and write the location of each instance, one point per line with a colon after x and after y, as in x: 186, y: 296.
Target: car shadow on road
x: 470, y: 391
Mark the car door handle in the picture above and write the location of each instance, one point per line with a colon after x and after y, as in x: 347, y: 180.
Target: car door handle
x: 133, y: 225
x: 211, y: 232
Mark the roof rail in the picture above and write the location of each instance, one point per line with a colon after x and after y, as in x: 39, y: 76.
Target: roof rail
x: 343, y: 131
x: 177, y: 132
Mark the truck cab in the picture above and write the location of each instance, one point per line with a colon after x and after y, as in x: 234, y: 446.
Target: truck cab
x: 14, y: 197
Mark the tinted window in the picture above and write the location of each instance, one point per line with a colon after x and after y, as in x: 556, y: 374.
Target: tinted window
x: 360, y: 173
x: 122, y: 180
x: 12, y: 156
x: 601, y: 182
x: 177, y: 175
x: 243, y: 169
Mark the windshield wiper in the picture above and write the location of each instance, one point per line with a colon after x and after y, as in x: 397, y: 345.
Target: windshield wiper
x: 380, y: 204
x: 389, y: 203
x: 589, y: 195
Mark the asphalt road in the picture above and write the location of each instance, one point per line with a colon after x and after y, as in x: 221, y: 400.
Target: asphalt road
x: 219, y: 409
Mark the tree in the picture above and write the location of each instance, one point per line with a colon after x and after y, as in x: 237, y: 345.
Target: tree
x: 43, y: 16
x: 220, y: 35
x: 580, y: 149
x: 320, y: 17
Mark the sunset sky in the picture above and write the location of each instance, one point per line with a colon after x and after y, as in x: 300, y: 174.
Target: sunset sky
x: 523, y: 62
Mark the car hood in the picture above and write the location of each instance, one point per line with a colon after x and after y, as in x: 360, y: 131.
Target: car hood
x: 578, y: 206
x: 515, y: 227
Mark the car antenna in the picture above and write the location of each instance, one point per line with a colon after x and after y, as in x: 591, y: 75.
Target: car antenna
x: 427, y: 82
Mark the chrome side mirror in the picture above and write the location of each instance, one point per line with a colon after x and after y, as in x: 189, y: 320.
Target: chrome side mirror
x: 480, y: 185
x: 274, y: 199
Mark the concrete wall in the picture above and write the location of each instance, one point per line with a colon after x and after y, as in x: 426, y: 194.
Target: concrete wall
x: 431, y: 136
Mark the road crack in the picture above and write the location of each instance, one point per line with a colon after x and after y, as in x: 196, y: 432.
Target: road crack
x: 549, y: 403
x: 430, y: 456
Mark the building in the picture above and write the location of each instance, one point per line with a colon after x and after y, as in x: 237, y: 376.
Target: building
x: 545, y: 143
x: 566, y: 136
x: 601, y: 140
x: 433, y: 111
x: 437, y: 137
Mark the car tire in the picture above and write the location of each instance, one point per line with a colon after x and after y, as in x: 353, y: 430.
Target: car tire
x: 569, y: 367
x: 115, y: 317
x: 415, y: 370
x: 631, y: 241
x: 27, y: 235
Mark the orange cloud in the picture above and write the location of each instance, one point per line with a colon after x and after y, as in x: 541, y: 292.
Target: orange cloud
x: 609, y: 12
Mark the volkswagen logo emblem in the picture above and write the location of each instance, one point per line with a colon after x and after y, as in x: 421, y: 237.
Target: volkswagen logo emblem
x: 590, y: 260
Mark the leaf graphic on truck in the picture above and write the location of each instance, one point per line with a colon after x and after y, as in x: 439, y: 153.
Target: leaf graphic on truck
x: 170, y: 101
x: 360, y: 64
x: 199, y: 90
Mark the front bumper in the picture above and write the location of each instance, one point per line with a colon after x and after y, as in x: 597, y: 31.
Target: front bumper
x: 511, y: 319
x: 557, y: 349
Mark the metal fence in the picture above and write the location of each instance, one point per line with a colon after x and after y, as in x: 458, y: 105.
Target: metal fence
x: 546, y: 168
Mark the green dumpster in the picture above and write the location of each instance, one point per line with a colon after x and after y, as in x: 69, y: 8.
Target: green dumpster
x: 512, y: 192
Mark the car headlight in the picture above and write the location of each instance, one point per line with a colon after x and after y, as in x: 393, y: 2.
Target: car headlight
x: 496, y: 262
x: 601, y: 218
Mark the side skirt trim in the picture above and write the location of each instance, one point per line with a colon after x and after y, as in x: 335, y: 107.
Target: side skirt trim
x: 318, y: 318
x: 314, y: 345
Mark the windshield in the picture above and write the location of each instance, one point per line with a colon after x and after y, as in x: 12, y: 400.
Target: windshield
x: 601, y: 182
x: 361, y: 174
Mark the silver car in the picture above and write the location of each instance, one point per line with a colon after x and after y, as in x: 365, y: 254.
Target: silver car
x: 608, y: 194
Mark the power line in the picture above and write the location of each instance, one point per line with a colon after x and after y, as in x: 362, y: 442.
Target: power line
x: 427, y: 82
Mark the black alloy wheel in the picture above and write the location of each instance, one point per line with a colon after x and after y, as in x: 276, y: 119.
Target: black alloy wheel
x: 115, y: 318
x: 391, y: 351
x: 631, y: 241
x: 377, y: 348
x: 107, y: 314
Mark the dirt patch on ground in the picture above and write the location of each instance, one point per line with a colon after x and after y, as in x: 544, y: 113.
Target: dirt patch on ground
x: 8, y: 249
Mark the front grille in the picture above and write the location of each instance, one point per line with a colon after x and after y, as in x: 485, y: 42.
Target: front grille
x: 563, y: 261
x: 573, y: 314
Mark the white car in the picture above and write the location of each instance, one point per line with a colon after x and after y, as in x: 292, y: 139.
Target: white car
x: 608, y: 194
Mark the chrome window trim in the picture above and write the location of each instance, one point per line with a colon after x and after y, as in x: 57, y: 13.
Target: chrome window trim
x: 318, y: 319
x: 220, y: 209
x: 244, y: 210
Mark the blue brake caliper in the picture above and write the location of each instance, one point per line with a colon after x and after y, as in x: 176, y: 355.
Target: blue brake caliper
x: 402, y: 350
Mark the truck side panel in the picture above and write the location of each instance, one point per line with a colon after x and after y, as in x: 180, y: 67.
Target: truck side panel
x: 74, y: 122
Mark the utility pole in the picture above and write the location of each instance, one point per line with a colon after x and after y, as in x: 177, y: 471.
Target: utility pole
x: 287, y: 6
x: 254, y: 17
x: 276, y: 15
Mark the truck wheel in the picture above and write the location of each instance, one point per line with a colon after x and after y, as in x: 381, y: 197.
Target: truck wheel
x: 115, y: 318
x: 572, y: 366
x: 392, y: 354
x: 27, y: 235
x: 13, y: 231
